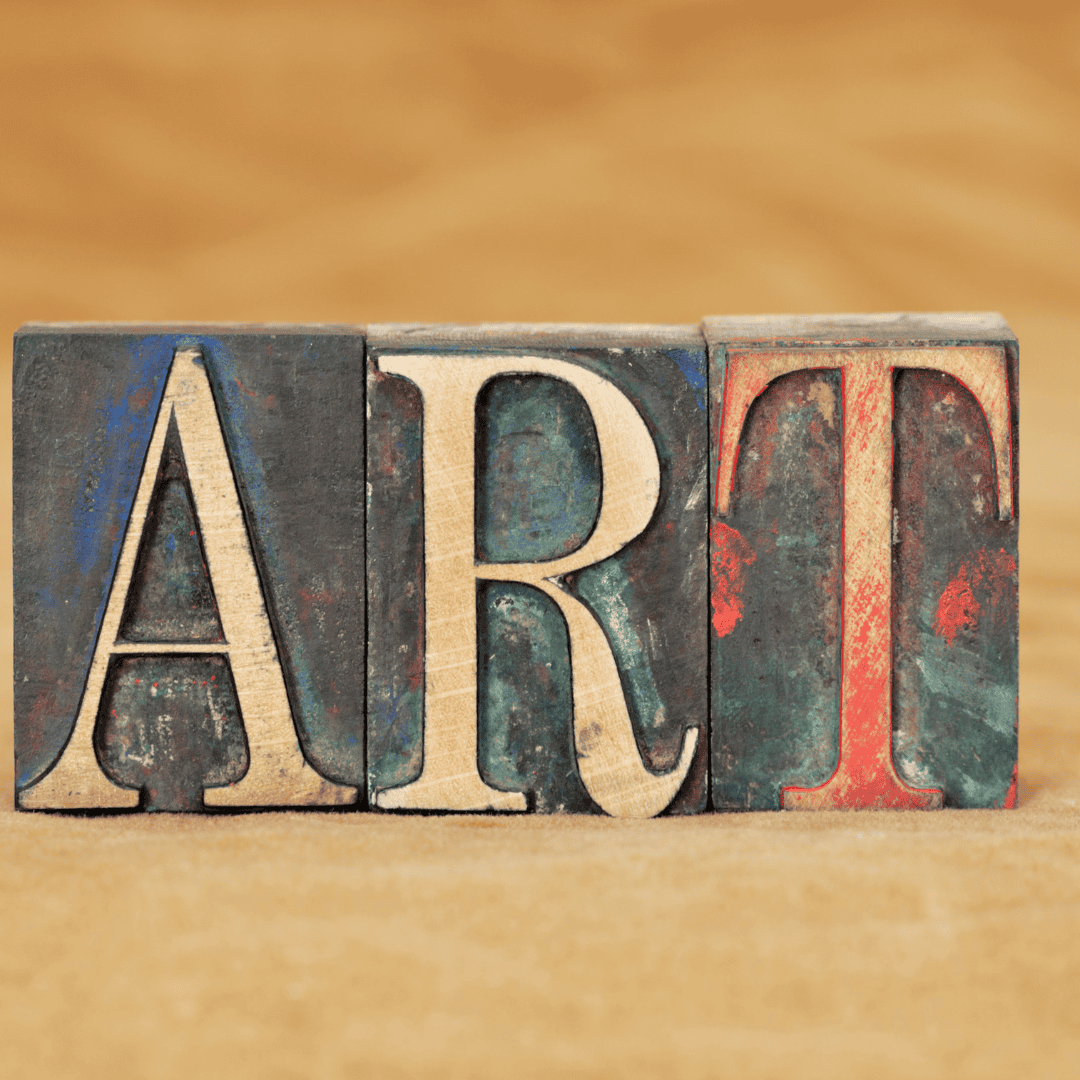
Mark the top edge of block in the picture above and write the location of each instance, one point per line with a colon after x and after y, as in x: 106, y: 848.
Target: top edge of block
x: 389, y: 336
x: 893, y: 328
x: 180, y: 328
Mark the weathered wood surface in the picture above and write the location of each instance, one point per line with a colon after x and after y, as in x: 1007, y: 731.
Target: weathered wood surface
x: 188, y: 594
x: 864, y: 558
x: 191, y: 566
x: 537, y: 569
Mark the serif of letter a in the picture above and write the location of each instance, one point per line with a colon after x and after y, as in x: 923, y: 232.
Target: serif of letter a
x: 865, y: 776
x: 277, y: 774
x: 611, y: 770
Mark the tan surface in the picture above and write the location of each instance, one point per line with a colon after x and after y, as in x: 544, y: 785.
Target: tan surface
x: 596, y: 161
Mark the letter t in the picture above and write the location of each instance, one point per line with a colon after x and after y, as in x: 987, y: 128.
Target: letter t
x: 865, y: 776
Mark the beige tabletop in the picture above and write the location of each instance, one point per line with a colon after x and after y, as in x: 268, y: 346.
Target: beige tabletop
x: 633, y: 160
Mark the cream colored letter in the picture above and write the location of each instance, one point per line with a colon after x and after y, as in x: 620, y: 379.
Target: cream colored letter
x: 608, y: 758
x: 277, y: 774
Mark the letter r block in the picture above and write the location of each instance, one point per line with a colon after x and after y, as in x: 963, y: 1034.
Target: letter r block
x: 188, y: 558
x: 863, y: 561
x: 537, y: 575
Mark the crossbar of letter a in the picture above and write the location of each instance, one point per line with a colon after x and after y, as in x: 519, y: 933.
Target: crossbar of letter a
x: 865, y: 776
x: 608, y: 759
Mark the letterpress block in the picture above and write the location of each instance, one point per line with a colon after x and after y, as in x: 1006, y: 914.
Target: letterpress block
x: 864, y: 561
x: 188, y: 557
x: 537, y: 574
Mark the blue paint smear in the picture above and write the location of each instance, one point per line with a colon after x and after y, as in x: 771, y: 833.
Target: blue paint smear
x: 692, y: 365
x: 112, y: 479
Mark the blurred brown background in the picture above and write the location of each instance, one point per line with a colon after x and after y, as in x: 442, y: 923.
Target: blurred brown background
x: 598, y: 161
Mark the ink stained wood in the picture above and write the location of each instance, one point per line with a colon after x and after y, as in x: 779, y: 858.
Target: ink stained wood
x: 538, y: 483
x: 290, y: 402
x: 863, y: 641
x: 777, y: 569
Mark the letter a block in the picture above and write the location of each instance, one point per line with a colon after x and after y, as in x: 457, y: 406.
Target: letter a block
x: 537, y: 569
x: 864, y: 561
x: 188, y: 538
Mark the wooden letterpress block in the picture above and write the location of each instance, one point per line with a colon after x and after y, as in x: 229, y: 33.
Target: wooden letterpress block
x: 864, y: 561
x: 188, y: 555
x: 537, y: 576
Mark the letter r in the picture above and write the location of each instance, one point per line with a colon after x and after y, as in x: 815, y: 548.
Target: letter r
x: 612, y: 770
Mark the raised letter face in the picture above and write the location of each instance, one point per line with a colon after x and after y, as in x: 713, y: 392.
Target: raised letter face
x: 156, y: 614
x: 531, y: 635
x: 870, y: 467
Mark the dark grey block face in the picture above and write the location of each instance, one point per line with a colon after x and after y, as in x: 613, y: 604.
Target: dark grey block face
x: 290, y: 402
x: 538, y: 477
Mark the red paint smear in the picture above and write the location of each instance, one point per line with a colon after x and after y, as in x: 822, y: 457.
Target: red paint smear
x: 731, y: 554
x: 958, y: 609
x: 1010, y: 796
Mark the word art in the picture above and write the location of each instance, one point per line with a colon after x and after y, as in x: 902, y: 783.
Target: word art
x: 762, y: 563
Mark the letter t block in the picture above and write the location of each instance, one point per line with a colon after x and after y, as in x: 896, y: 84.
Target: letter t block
x: 864, y: 561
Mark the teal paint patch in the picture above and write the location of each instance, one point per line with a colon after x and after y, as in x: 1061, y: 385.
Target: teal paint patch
x: 538, y: 470
x: 955, y: 588
x: 525, y: 706
x: 609, y: 594
x: 776, y: 666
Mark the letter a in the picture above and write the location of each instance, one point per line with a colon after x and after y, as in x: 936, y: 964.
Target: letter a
x: 277, y: 773
x: 611, y: 768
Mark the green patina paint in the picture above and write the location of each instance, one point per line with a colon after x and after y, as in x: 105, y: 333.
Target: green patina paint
x: 538, y: 470
x: 776, y: 674
x: 525, y: 708
x: 395, y: 574
x: 608, y: 591
x: 955, y: 600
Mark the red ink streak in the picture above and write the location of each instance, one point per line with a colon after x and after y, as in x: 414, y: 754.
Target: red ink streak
x: 958, y: 608
x: 731, y: 554
x: 250, y: 393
